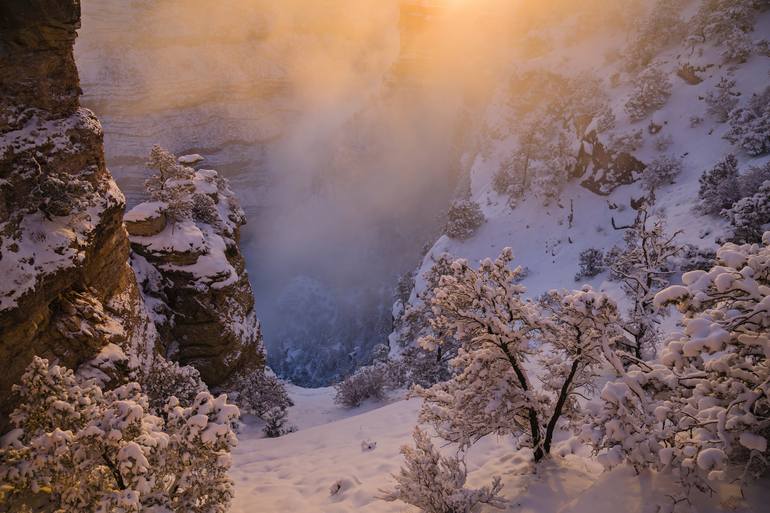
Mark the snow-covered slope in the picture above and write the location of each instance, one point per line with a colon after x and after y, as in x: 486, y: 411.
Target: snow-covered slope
x: 548, y: 239
x: 297, y: 472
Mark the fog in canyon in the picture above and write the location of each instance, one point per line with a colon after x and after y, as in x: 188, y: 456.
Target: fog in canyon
x: 341, y: 124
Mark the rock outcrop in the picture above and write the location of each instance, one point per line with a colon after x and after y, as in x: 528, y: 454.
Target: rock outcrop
x: 191, y: 271
x: 66, y: 289
x: 602, y: 170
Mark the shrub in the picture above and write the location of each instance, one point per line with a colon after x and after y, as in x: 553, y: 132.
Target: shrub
x: 700, y: 413
x: 652, y: 88
x: 367, y: 382
x: 436, y: 484
x: 722, y: 100
x: 661, y: 172
x: 719, y: 186
x: 464, y: 218
x: 749, y: 216
x: 663, y: 26
x: 752, y: 180
x: 591, y: 262
x: 726, y: 24
x: 96, y: 450
x: 276, y: 423
x: 750, y: 125
x: 260, y: 392
x: 627, y: 143
x: 165, y: 379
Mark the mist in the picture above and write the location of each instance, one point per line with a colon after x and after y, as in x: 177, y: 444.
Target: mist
x: 342, y: 125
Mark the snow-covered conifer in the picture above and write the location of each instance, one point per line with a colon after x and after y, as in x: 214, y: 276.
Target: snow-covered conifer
x: 719, y: 186
x: 436, y: 484
x: 722, y: 100
x: 259, y: 392
x: 652, y: 88
x: 750, y: 125
x: 726, y: 24
x: 643, y: 267
x: 483, y: 308
x: 463, y: 219
x: 661, y: 27
x: 749, y: 216
x: 96, y: 450
x: 591, y: 262
x: 702, y: 410
x: 661, y: 172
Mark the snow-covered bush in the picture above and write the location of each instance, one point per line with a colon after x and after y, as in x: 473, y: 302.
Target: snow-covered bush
x: 259, y: 392
x: 164, y: 379
x: 463, y: 219
x: 662, y: 27
x: 661, y: 172
x: 58, y: 193
x: 419, y: 365
x: 726, y: 24
x: 702, y: 410
x: 719, y: 186
x: 652, y: 88
x: 277, y: 422
x: 368, y: 382
x: 508, y: 181
x: 171, y: 184
x: 749, y: 216
x: 643, y: 267
x: 591, y: 262
x: 750, y: 125
x: 491, y: 390
x: 722, y: 100
x: 752, y: 180
x: 93, y: 450
x: 436, y: 484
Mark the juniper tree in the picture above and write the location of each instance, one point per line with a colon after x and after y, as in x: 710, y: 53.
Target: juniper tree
x: 643, y: 267
x: 491, y: 390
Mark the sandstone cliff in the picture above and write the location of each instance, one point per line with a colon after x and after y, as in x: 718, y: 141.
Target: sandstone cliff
x: 66, y: 289
x: 192, y: 274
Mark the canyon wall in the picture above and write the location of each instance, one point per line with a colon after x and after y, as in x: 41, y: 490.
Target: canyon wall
x: 67, y: 290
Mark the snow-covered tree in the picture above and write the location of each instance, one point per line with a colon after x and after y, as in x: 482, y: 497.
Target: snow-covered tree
x: 726, y: 24
x: 436, y: 484
x: 722, y: 100
x: 661, y: 172
x: 425, y: 366
x: 749, y: 216
x: 591, y: 263
x: 643, y: 267
x: 491, y: 390
x: 703, y: 410
x: 171, y: 184
x: 651, y: 91
x: 277, y: 423
x: 719, y: 186
x: 752, y: 180
x: 94, y: 450
x: 367, y: 382
x: 463, y: 219
x: 259, y: 392
x: 663, y: 26
x: 163, y: 379
x: 750, y: 125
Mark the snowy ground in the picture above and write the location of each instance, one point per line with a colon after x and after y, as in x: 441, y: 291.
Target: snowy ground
x: 295, y: 473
